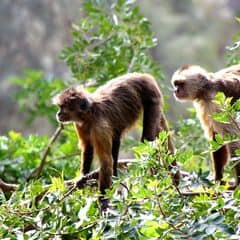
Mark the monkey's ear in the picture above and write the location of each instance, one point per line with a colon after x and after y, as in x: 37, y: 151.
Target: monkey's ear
x: 84, y: 104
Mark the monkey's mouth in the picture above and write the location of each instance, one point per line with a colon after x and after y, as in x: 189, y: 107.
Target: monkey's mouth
x: 62, y: 118
x: 178, y: 93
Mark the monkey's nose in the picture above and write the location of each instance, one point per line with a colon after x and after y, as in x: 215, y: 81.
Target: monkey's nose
x: 175, y: 89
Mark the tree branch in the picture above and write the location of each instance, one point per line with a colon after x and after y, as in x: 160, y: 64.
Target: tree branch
x: 37, y: 172
x: 131, y: 64
x: 82, y: 182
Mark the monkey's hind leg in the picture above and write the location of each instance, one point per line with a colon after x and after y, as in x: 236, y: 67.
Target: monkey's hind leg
x: 237, y: 169
x: 220, y: 158
x: 151, y: 122
x: 115, y: 151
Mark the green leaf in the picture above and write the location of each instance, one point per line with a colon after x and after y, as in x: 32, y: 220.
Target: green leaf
x: 57, y: 184
x: 222, y: 117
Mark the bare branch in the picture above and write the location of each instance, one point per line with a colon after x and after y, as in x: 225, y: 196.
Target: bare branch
x: 37, y: 172
x: 133, y: 60
x: 82, y: 182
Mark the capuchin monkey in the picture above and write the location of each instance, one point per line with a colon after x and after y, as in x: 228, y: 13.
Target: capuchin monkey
x: 102, y: 117
x: 195, y: 84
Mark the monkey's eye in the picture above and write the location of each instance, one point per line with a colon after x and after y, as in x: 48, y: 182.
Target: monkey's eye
x: 83, y: 105
x: 178, y: 83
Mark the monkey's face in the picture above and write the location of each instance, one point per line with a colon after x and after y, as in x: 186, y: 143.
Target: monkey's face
x: 189, y: 83
x: 73, y: 106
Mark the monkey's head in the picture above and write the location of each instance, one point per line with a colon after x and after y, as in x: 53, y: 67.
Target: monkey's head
x: 74, y: 105
x: 190, y: 82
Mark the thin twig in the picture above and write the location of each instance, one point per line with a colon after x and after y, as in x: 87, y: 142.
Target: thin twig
x: 68, y: 193
x: 160, y: 207
x: 72, y: 233
x: 37, y: 172
x: 122, y: 163
x: 67, y: 156
x: 165, y: 216
x: 100, y: 42
x: 131, y: 64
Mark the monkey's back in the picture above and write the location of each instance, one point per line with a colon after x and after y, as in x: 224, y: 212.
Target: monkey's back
x: 121, y: 100
x: 230, y: 71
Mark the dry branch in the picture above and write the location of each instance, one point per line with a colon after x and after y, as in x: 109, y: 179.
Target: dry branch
x: 82, y: 182
x: 37, y: 172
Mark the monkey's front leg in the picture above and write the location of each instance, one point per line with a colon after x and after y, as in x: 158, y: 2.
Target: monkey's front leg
x: 237, y: 169
x: 86, y: 161
x: 87, y: 157
x: 103, y: 145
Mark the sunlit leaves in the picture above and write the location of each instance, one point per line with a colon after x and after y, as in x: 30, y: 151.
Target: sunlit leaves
x: 57, y: 184
x: 111, y: 40
x: 233, y: 53
x: 149, y: 207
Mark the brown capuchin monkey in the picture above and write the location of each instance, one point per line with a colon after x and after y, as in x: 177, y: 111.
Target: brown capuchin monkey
x: 196, y: 84
x: 102, y: 117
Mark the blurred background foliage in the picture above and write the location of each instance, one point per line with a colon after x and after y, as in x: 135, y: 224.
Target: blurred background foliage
x: 33, y: 33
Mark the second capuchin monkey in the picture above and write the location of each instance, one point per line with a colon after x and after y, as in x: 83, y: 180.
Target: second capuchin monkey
x: 195, y: 84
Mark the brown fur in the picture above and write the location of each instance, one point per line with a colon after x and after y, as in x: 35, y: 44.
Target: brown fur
x: 102, y: 117
x: 196, y: 84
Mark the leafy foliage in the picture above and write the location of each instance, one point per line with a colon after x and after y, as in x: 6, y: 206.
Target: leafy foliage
x: 19, y: 155
x: 148, y: 207
x: 113, y: 39
x: 110, y: 40
x: 233, y: 51
x: 34, y: 95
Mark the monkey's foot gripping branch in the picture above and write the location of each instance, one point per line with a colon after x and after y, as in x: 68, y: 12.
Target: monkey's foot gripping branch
x: 7, y: 187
